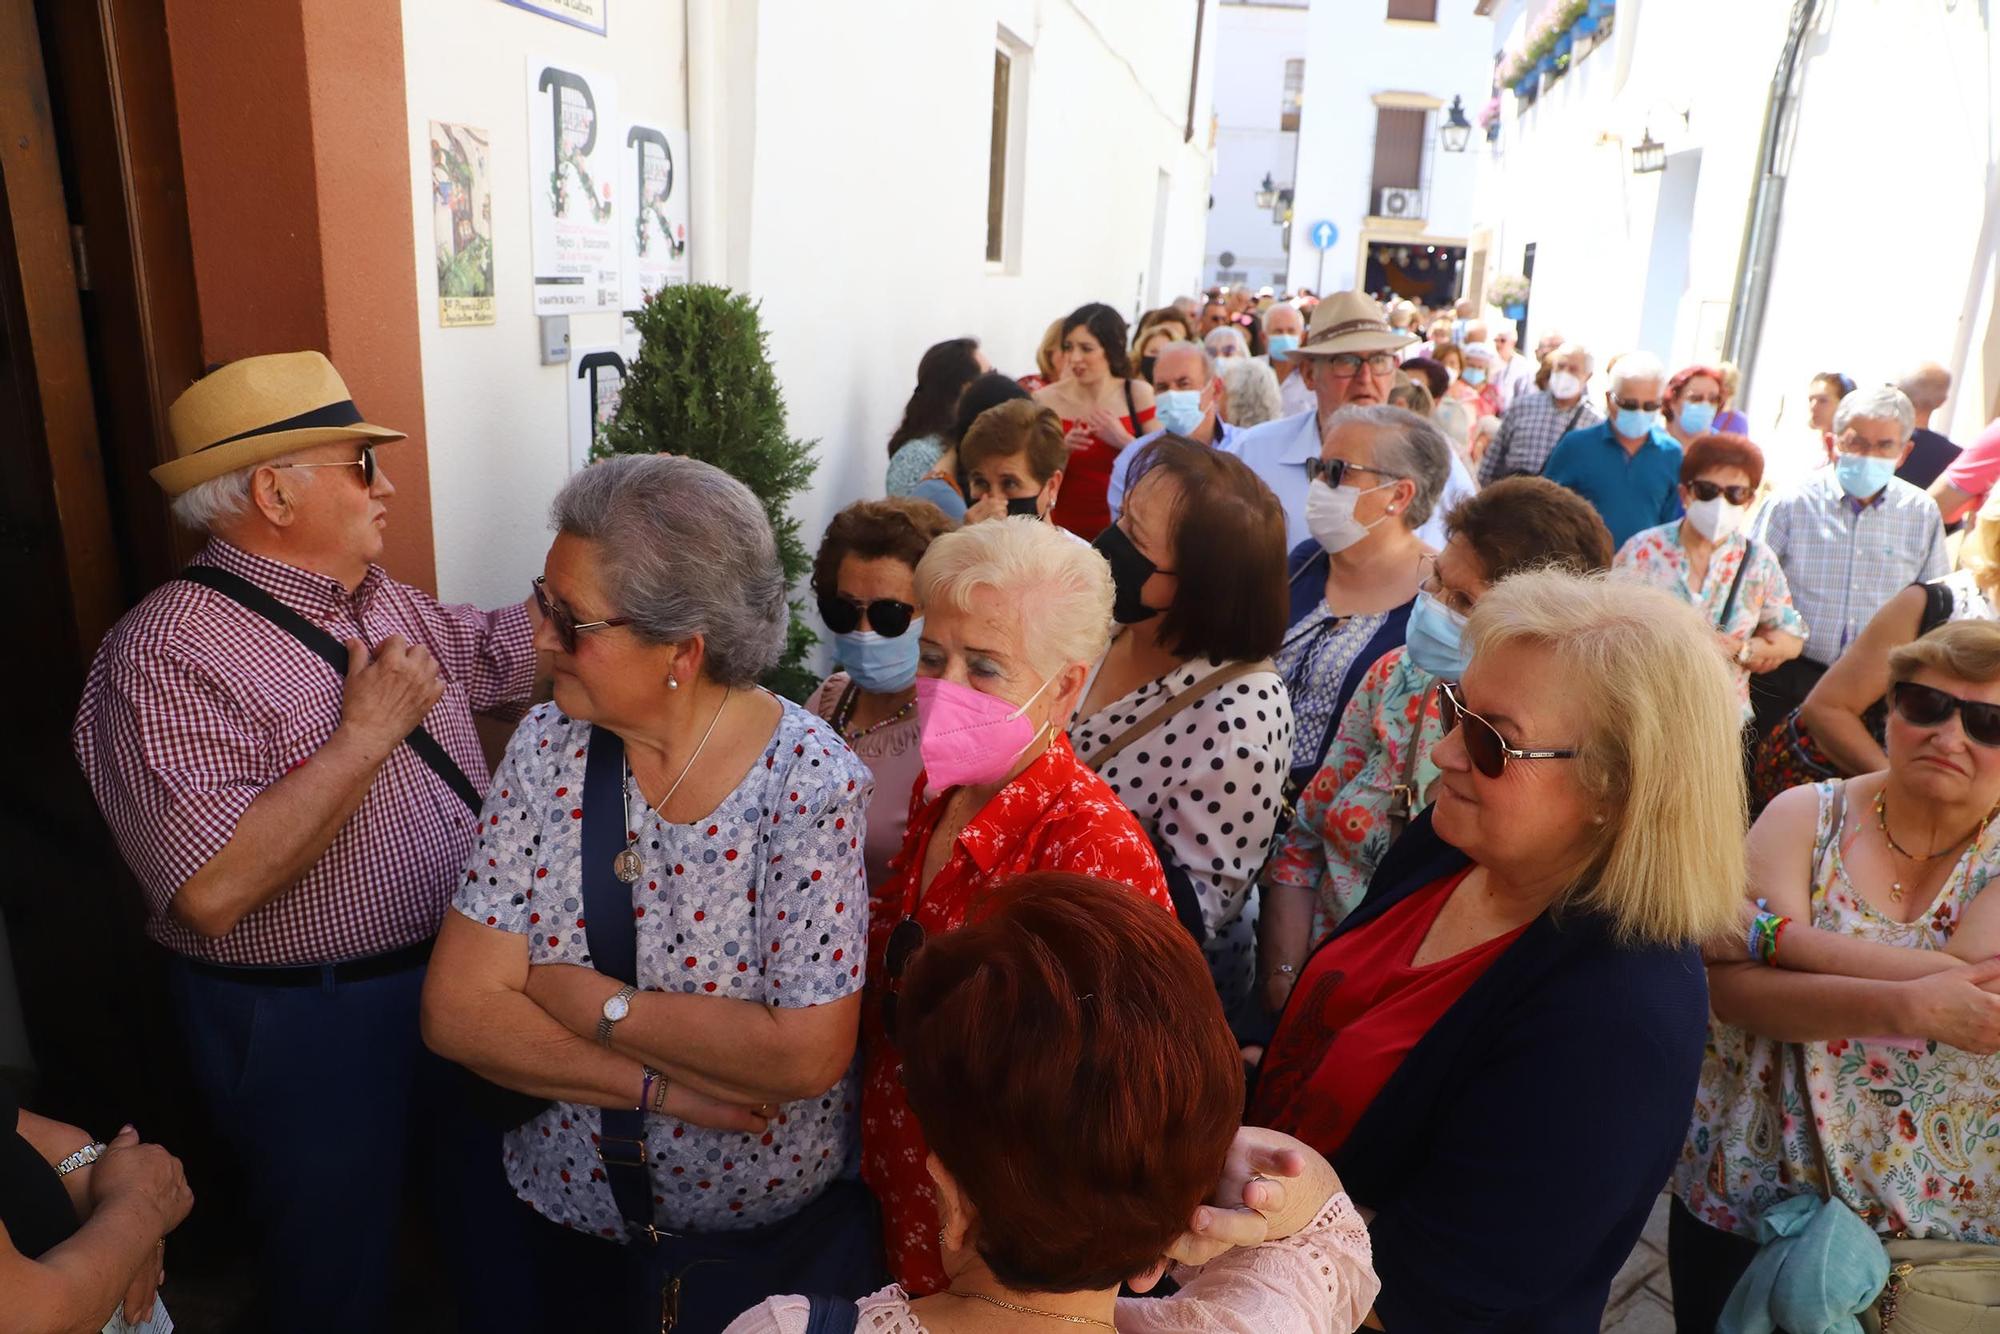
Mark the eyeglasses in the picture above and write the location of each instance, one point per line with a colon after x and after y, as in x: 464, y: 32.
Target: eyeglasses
x: 1450, y: 598
x: 886, y: 616
x: 366, y: 463
x: 1926, y: 706
x: 1853, y: 442
x: 904, y: 941
x: 1630, y: 405
x: 564, y: 624
x: 1488, y: 750
x: 1333, y: 471
x: 1344, y: 365
x: 1703, y: 489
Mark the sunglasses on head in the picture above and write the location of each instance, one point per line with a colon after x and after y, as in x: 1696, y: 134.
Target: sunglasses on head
x: 1927, y: 706
x: 565, y: 625
x: 1735, y: 495
x: 366, y: 463
x: 1488, y: 750
x: 1334, y: 471
x: 904, y: 941
x: 886, y: 616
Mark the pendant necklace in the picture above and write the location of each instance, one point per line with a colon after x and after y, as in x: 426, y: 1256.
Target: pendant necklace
x: 1033, y: 1310
x: 628, y: 865
x: 1882, y: 825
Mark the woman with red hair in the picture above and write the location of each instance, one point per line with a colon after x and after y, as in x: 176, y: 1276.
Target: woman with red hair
x: 1694, y: 397
x: 1080, y: 1091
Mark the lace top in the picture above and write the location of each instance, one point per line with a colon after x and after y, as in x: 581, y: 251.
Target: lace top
x: 1318, y: 1281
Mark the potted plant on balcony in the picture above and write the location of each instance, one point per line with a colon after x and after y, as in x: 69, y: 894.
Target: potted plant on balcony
x: 1509, y: 292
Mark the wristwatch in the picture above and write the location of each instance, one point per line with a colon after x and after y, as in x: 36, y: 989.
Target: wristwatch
x: 616, y: 1008
x: 83, y: 1157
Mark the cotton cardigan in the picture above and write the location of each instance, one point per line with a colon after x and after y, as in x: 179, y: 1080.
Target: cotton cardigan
x: 1514, y: 1155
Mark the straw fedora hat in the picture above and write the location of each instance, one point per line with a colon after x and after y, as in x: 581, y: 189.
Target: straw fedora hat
x: 257, y: 409
x: 1350, y: 322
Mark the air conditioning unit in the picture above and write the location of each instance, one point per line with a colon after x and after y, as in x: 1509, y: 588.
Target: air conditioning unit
x: 1399, y: 202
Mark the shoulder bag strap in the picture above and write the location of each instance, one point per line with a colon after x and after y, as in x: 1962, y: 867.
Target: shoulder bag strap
x: 1568, y: 426
x: 1403, y: 796
x: 831, y: 1315
x: 1729, y: 604
x: 613, y: 938
x: 1193, y: 694
x: 1132, y: 410
x: 1938, y: 606
x: 240, y: 590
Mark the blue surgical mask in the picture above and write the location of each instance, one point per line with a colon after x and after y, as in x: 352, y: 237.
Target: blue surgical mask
x: 1696, y: 418
x: 1279, y: 346
x: 1475, y: 375
x: 1861, y: 476
x: 879, y: 665
x: 1180, y: 409
x: 1432, y: 638
x: 1633, y: 422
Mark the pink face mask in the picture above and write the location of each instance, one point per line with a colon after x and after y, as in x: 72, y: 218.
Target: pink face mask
x: 969, y: 738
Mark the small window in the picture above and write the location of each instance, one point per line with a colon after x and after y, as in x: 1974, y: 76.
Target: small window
x: 996, y: 162
x: 1416, y: 11
x: 1294, y: 94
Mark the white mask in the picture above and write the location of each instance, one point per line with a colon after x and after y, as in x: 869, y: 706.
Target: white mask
x: 1330, y: 515
x: 1717, y: 520
x: 1565, y: 384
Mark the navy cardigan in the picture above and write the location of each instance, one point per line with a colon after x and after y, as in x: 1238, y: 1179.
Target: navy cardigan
x: 1512, y: 1157
x: 1307, y: 580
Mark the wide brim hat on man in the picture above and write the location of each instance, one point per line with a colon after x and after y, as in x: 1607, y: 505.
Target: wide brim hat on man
x: 1350, y: 322
x: 257, y: 409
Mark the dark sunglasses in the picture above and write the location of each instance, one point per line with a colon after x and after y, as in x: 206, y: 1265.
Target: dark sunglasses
x: 904, y: 941
x: 1926, y: 706
x: 1735, y: 495
x: 1487, y: 748
x: 564, y: 624
x: 886, y: 616
x: 1334, y: 471
x: 1631, y: 405
x: 366, y: 463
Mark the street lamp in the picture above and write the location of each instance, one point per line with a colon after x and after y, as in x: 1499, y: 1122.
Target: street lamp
x: 1267, y: 193
x: 1648, y: 155
x: 1456, y: 130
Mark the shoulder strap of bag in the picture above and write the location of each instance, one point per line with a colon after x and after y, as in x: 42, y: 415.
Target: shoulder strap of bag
x: 240, y: 590
x: 1132, y: 410
x: 1938, y: 606
x: 1403, y: 796
x: 832, y: 1315
x: 1729, y: 604
x: 1174, y: 704
x: 1568, y: 426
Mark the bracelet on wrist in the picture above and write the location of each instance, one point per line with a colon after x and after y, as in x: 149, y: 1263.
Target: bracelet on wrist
x: 1765, y: 930
x: 82, y: 1158
x: 646, y: 1089
x: 659, y: 1093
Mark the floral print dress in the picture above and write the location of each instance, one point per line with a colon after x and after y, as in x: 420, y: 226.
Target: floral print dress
x: 1912, y: 1137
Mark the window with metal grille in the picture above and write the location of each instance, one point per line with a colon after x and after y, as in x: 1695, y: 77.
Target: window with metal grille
x: 1422, y: 11
x: 1399, y: 151
x: 1294, y: 94
x: 996, y: 161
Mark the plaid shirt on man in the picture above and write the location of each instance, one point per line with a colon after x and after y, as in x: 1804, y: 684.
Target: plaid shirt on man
x: 196, y: 704
x: 1529, y: 432
x: 1844, y: 560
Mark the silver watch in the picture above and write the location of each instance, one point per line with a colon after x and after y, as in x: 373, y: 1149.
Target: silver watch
x: 83, y: 1157
x: 617, y: 1007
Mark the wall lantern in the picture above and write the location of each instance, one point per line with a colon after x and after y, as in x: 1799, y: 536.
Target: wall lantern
x: 1456, y: 130
x: 1648, y: 155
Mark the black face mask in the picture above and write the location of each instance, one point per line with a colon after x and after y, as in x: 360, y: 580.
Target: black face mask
x: 1129, y: 572
x: 1146, y: 369
x: 1029, y: 506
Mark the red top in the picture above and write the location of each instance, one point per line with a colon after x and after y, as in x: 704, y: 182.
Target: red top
x: 1082, y: 505
x: 1057, y: 816
x: 1359, y: 1008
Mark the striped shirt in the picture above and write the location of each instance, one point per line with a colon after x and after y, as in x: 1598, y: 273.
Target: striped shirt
x: 1844, y: 560
x: 196, y: 704
x: 1529, y: 431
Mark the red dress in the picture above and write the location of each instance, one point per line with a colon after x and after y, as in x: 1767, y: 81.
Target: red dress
x: 1083, y: 505
x: 1359, y: 1008
x: 1057, y: 816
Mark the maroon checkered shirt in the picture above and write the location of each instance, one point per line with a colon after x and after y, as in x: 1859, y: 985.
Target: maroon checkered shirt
x: 196, y: 704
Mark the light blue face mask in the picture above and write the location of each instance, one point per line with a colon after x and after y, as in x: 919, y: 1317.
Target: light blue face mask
x: 1279, y: 346
x: 1696, y: 418
x: 878, y: 664
x: 1634, y: 422
x: 1861, y: 476
x: 1179, y: 409
x: 1475, y: 375
x: 1432, y: 638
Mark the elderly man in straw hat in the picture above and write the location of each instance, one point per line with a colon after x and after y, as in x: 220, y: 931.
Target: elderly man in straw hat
x: 1348, y: 357
x: 281, y: 741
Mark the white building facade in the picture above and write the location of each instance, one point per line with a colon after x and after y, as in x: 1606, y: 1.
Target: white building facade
x: 1260, y: 63
x: 841, y: 157
x: 1381, y: 76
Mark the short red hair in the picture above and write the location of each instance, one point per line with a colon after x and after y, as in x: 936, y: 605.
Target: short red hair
x: 1680, y: 379
x: 1722, y: 451
x: 1068, y: 1060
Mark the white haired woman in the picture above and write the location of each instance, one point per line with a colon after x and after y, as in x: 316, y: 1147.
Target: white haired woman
x: 1252, y: 389
x: 661, y: 929
x: 1015, y: 616
x: 1524, y: 968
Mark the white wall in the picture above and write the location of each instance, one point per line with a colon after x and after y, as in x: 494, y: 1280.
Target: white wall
x: 1252, y: 44
x: 1354, y: 52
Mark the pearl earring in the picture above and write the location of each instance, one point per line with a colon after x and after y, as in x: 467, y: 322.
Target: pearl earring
x: 673, y: 683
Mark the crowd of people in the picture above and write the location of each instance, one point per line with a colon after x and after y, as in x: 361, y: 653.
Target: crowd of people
x: 1318, y: 818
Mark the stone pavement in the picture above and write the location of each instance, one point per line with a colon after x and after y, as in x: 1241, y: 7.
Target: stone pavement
x: 1641, y: 1302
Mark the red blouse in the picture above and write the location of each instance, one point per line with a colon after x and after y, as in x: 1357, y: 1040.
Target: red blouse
x: 1057, y: 816
x: 1359, y: 1008
x: 1083, y: 505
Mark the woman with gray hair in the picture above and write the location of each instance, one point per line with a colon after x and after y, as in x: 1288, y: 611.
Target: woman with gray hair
x: 661, y: 926
x: 1252, y: 387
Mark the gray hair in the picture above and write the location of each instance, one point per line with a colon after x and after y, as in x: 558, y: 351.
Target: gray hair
x: 219, y: 499
x: 1208, y: 360
x: 1883, y: 403
x: 1227, y: 331
x: 1577, y: 349
x: 685, y: 549
x: 1253, y: 391
x: 1408, y: 446
x: 1636, y: 366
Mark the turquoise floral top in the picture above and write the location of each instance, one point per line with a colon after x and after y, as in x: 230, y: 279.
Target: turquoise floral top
x: 1763, y: 600
x: 1913, y: 1136
x: 908, y: 465
x: 1341, y: 828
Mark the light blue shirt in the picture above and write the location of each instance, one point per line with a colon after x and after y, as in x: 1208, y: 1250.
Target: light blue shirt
x: 1114, y: 491
x: 1278, y: 450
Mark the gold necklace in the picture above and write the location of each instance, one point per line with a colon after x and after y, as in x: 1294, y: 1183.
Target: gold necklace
x: 1030, y: 1310
x: 628, y: 866
x: 1882, y: 825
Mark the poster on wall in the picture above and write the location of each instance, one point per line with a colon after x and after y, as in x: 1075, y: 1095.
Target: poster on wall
x: 462, y: 223
x: 654, y: 177
x: 585, y: 14
x: 572, y: 188
x: 596, y: 377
